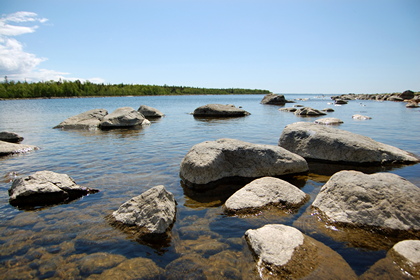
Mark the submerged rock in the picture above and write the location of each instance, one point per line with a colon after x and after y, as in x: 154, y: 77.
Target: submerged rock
x: 219, y: 110
x: 123, y: 117
x: 307, y: 111
x: 45, y: 188
x: 10, y: 137
x: 329, y: 121
x: 86, y: 120
x: 382, y: 201
x: 325, y: 143
x: 150, y: 112
x: 7, y: 148
x: 211, y: 161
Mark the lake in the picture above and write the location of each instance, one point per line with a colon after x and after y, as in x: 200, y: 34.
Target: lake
x: 75, y: 240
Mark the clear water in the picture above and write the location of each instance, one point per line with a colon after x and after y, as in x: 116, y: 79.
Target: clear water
x: 57, y: 241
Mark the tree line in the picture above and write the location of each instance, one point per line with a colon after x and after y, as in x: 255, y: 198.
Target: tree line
x: 52, y: 89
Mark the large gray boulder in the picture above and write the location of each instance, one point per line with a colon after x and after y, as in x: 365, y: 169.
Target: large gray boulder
x: 324, y: 143
x: 45, y: 188
x: 7, y: 148
x: 283, y: 252
x: 219, y: 110
x: 153, y: 211
x: 383, y: 201
x: 265, y: 192
x: 308, y: 111
x: 86, y: 120
x: 274, y: 99
x: 10, y: 137
x: 150, y: 112
x: 211, y: 161
x: 123, y: 117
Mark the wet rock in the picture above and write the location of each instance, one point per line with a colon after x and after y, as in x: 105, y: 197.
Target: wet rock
x: 123, y: 117
x: 307, y: 111
x: 204, y: 245
x: 275, y: 99
x: 211, y: 161
x: 150, y: 112
x: 219, y: 110
x: 325, y: 143
x: 98, y: 262
x: 283, y: 252
x: 382, y: 201
x: 329, y: 121
x: 45, y: 188
x: 153, y: 211
x: 86, y: 120
x: 191, y: 266
x: 360, y: 117
x: 10, y: 137
x: 401, y: 262
x: 7, y: 148
x: 263, y: 192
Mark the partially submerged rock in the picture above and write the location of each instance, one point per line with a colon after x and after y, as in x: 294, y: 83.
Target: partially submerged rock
x: 263, y: 192
x: 123, y: 117
x: 340, y: 101
x: 45, y: 188
x: 10, y: 137
x: 275, y: 99
x: 219, y: 110
x: 283, y: 252
x: 360, y: 117
x: 308, y: 111
x: 290, y: 109
x: 211, y: 161
x: 153, y: 212
x: 329, y: 121
x: 86, y: 120
x: 382, y: 201
x: 325, y: 143
x: 7, y: 148
x: 150, y: 112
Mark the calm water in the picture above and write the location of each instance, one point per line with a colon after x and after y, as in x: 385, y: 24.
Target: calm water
x: 61, y: 241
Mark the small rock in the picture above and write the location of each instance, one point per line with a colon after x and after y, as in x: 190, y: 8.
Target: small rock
x: 327, y: 110
x: 340, y: 101
x: 219, y: 110
x: 307, y: 111
x: 288, y: 109
x: 150, y: 112
x: 10, y: 137
x: 360, y: 117
x: 329, y: 121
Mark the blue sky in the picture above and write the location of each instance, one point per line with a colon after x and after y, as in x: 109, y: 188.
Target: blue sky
x: 295, y: 46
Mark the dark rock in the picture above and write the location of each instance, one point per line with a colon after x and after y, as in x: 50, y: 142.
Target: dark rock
x: 219, y: 110
x: 275, y: 99
x: 10, y: 137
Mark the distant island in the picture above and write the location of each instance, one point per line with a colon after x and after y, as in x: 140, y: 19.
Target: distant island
x: 65, y: 89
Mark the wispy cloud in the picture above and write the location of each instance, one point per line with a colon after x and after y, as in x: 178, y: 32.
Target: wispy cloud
x: 15, y: 62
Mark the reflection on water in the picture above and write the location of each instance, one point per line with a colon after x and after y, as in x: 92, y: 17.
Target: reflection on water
x: 75, y: 240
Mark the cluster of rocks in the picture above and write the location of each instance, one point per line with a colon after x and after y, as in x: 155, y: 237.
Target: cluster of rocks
x: 10, y: 144
x: 408, y: 96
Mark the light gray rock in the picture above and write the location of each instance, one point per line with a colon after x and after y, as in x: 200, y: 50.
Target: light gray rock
x: 274, y: 99
x: 44, y: 188
x: 291, y: 109
x: 150, y: 112
x: 7, y: 148
x: 329, y: 121
x: 123, y: 117
x: 412, y: 104
x: 264, y: 192
x: 325, y: 143
x: 360, y: 117
x: 382, y: 200
x: 10, y: 137
x: 307, y: 111
x: 219, y: 110
x: 210, y: 161
x: 409, y: 249
x: 86, y: 120
x: 154, y: 211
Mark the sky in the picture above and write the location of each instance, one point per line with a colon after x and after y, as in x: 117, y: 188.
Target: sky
x: 285, y: 46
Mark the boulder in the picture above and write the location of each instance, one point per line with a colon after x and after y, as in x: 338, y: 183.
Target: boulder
x: 86, y: 120
x: 401, y: 262
x: 307, y: 111
x: 383, y: 201
x: 329, y: 121
x: 219, y: 110
x: 265, y: 192
x: 45, y: 188
x: 360, y: 117
x: 7, y: 148
x: 150, y: 112
x: 153, y: 211
x: 274, y: 99
x: 408, y: 94
x: 211, y: 161
x: 325, y: 143
x: 123, y: 117
x: 283, y: 252
x: 10, y: 137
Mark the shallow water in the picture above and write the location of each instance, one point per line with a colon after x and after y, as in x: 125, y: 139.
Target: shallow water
x: 75, y: 241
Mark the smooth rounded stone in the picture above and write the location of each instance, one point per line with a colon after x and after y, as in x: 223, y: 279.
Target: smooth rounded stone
x: 308, y: 111
x: 219, y: 110
x: 325, y: 143
x: 329, y: 121
x: 86, y: 120
x: 291, y: 109
x: 263, y: 192
x: 153, y: 211
x: 211, y: 161
x: 7, y: 148
x: 45, y: 188
x: 96, y: 263
x: 123, y: 117
x: 360, y: 117
x: 401, y: 262
x: 382, y: 201
x: 274, y: 99
x: 10, y: 137
x: 150, y: 112
x: 283, y: 252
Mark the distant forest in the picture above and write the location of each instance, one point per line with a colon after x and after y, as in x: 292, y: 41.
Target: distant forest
x: 57, y: 89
